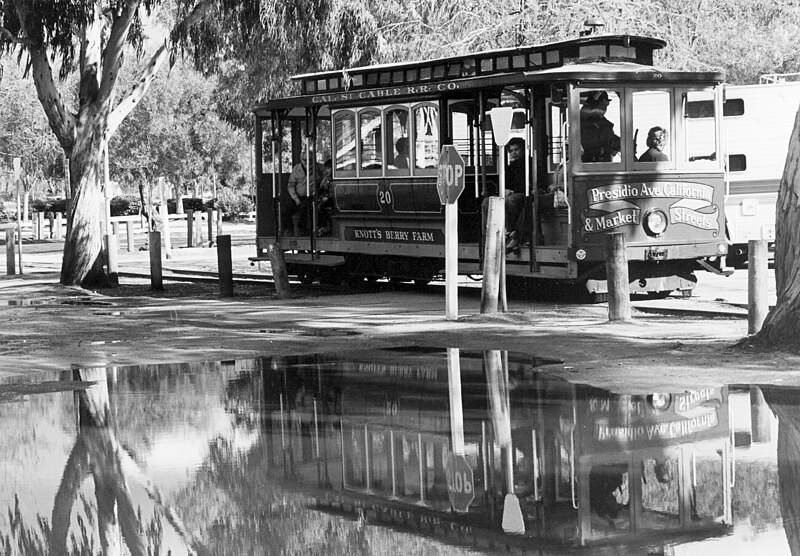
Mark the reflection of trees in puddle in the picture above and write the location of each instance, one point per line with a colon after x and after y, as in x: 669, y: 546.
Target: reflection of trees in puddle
x: 98, y: 455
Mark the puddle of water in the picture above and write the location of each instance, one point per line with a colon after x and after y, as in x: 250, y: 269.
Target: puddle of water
x: 281, y: 453
x: 24, y: 302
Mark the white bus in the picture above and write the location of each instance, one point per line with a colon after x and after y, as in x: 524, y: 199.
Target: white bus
x: 758, y: 121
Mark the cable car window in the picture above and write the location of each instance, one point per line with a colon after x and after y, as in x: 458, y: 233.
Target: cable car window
x: 344, y: 126
x: 397, y: 141
x: 652, y: 135
x: 700, y: 129
x: 599, y: 126
x: 371, y: 147
x: 426, y: 137
x: 461, y: 130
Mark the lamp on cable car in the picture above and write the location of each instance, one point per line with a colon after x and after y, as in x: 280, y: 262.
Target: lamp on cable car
x: 655, y: 222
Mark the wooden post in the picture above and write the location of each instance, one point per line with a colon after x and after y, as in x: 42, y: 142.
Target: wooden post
x: 156, y: 275
x: 619, y: 297
x: 11, y: 252
x: 165, y: 230
x: 59, y: 223
x: 189, y: 228
x: 219, y: 221
x: 456, y: 403
x: 225, y: 266
x: 112, y: 258
x: 761, y: 416
x: 210, y: 218
x: 493, y: 249
x: 199, y: 222
x: 20, y: 215
x: 757, y: 306
x: 279, y: 274
x: 129, y: 232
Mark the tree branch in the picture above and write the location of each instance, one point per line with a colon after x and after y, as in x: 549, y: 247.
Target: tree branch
x: 61, y: 120
x: 124, y: 108
x: 14, y: 39
x: 115, y: 47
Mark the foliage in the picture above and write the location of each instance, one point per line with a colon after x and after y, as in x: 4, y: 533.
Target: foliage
x: 176, y: 133
x: 232, y: 203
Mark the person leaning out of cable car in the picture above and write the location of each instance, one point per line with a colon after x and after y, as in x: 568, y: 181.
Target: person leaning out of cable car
x: 599, y: 142
x: 300, y: 186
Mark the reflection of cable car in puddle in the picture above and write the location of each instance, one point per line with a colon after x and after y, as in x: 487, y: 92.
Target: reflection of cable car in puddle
x: 588, y: 466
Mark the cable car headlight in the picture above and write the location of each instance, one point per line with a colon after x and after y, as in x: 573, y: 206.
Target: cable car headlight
x: 660, y: 402
x: 655, y: 222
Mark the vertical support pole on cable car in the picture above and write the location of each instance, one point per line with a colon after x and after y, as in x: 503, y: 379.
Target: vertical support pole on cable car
x: 312, y: 175
x: 481, y: 162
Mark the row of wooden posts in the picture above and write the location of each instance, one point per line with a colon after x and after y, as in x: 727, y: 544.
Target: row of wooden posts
x: 619, y: 304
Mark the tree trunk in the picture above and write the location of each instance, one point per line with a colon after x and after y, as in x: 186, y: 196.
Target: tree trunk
x: 782, y: 325
x: 787, y: 411
x: 82, y: 264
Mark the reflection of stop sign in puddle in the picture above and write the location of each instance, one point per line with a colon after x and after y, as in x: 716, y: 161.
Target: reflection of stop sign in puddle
x: 460, y: 485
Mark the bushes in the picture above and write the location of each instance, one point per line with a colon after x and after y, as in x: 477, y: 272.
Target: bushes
x: 233, y: 204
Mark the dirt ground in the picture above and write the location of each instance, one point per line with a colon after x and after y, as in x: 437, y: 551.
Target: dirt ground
x: 675, y: 343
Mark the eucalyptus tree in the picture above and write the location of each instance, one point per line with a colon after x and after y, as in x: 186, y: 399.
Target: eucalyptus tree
x: 88, y: 38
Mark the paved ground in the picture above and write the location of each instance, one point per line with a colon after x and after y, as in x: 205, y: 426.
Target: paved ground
x: 676, y: 342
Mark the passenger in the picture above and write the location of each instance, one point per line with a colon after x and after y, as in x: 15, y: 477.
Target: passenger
x: 599, y: 142
x: 515, y: 192
x: 656, y: 140
x: 324, y: 202
x: 299, y: 187
x: 401, y: 146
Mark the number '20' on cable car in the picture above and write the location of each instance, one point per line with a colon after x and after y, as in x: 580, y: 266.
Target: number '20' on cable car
x: 601, y: 142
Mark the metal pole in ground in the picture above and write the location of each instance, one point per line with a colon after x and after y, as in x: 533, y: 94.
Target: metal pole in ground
x: 225, y: 265
x: 156, y: 275
x: 199, y: 232
x: 11, y: 254
x: 210, y: 218
x: 757, y: 306
x: 619, y: 296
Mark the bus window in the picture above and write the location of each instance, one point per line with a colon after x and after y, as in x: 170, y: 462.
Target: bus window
x: 599, y: 126
x: 700, y: 129
x: 369, y: 121
x: 652, y: 127
x: 426, y: 138
x: 344, y: 126
x: 397, y: 143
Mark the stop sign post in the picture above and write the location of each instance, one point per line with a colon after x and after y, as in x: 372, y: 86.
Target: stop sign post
x: 450, y: 185
x: 460, y: 482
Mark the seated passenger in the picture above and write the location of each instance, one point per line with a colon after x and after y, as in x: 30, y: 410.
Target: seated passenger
x: 401, y: 146
x: 656, y: 141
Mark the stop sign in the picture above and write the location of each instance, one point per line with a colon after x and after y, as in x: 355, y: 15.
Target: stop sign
x: 460, y: 483
x: 450, y: 177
